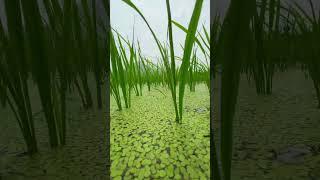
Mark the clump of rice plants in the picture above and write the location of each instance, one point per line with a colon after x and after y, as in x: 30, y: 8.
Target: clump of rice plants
x: 57, y: 47
x: 14, y: 74
x: 176, y: 78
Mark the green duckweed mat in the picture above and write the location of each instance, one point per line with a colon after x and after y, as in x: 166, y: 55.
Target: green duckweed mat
x: 147, y: 143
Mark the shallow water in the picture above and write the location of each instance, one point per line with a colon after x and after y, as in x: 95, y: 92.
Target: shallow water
x: 146, y: 142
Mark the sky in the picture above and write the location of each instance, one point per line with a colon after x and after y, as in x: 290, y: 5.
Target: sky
x: 123, y: 18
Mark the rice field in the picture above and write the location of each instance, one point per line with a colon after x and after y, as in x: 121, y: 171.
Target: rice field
x: 259, y: 62
x: 160, y: 126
